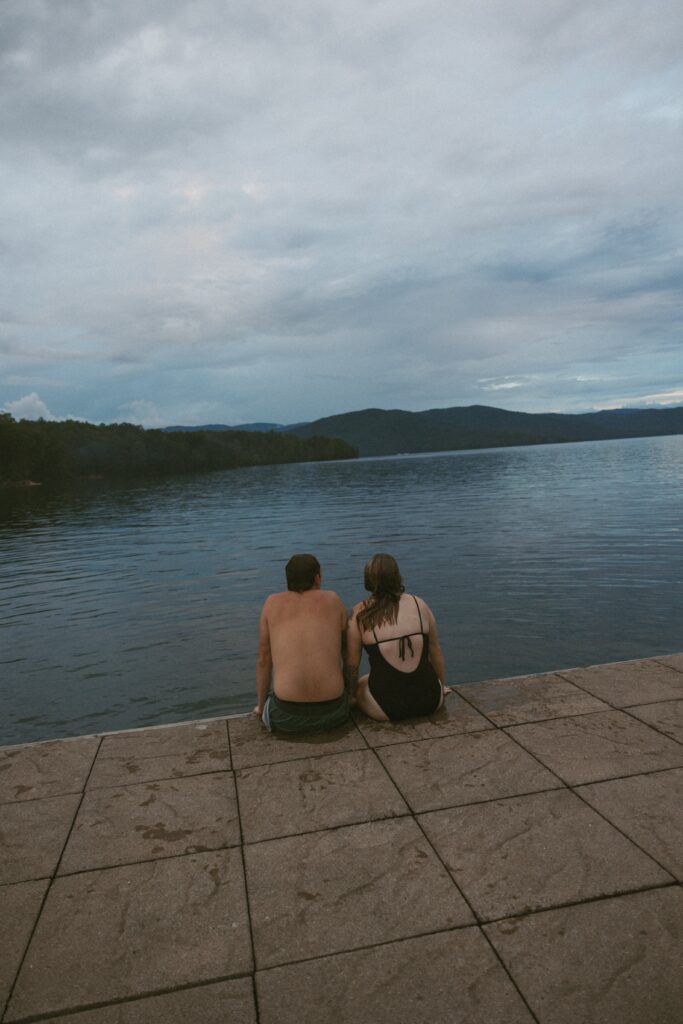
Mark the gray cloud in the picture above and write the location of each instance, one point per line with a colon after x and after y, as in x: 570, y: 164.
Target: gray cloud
x: 260, y: 211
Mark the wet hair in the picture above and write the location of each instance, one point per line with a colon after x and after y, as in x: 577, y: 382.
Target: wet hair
x: 301, y: 571
x: 383, y: 579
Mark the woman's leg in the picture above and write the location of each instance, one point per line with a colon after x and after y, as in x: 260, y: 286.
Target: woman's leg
x: 367, y: 703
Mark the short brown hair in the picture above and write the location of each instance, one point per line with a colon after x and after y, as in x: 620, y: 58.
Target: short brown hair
x: 301, y: 571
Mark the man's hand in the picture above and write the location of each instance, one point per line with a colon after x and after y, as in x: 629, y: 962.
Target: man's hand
x: 258, y: 711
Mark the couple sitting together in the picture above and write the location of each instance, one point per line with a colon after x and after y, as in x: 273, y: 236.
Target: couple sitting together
x: 311, y: 653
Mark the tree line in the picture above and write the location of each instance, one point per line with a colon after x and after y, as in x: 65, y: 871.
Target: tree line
x: 52, y: 452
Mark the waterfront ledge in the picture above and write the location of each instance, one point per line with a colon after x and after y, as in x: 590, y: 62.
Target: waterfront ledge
x: 517, y: 857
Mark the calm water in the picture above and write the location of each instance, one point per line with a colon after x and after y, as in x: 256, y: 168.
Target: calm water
x: 130, y: 605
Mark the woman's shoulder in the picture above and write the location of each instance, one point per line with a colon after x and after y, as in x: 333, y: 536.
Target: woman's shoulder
x: 420, y: 602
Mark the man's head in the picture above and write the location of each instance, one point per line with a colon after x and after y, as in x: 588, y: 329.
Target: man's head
x: 301, y: 572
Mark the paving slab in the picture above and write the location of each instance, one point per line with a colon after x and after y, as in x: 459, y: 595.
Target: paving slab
x: 167, y: 752
x: 449, y: 977
x: 672, y: 660
x: 649, y: 809
x: 317, y: 792
x: 666, y: 717
x: 32, y: 836
x: 227, y: 1002
x: 614, y: 961
x: 251, y: 743
x: 123, y: 771
x: 19, y: 908
x: 45, y: 769
x: 590, y: 748
x: 529, y: 698
x: 464, y: 769
x: 153, y: 819
x: 453, y: 717
x: 628, y: 682
x: 327, y: 892
x: 128, y: 931
x: 530, y: 852
x: 161, y: 740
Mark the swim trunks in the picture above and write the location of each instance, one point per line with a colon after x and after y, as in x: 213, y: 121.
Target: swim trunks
x: 304, y: 717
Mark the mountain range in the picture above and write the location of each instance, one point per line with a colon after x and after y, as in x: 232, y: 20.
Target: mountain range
x: 395, y: 431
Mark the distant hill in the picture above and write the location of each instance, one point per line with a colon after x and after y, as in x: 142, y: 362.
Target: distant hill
x: 391, y: 431
x: 259, y: 427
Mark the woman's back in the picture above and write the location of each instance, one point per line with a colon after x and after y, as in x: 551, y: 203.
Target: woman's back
x: 399, y: 634
x: 402, y: 642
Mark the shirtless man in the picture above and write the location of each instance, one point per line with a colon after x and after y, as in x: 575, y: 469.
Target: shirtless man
x: 301, y: 643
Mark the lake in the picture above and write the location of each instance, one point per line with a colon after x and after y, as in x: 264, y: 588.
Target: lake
x: 126, y: 605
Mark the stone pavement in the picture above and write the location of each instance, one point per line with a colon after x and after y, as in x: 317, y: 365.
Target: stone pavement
x: 516, y: 858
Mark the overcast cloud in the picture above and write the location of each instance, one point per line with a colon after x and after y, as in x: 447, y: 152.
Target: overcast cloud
x: 238, y: 211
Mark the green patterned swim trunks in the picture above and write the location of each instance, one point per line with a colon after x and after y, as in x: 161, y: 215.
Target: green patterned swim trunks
x: 305, y: 717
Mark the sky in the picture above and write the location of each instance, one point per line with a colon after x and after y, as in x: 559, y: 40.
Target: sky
x: 234, y: 211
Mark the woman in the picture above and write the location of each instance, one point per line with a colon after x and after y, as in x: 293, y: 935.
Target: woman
x: 398, y: 632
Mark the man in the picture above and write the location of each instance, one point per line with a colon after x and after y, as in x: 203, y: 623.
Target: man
x: 301, y: 644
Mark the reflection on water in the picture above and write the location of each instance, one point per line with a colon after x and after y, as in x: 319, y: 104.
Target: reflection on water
x: 125, y: 605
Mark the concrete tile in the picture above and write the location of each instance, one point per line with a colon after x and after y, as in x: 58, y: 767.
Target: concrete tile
x: 164, y: 740
x: 455, y: 716
x: 122, y: 932
x: 450, y: 977
x: 251, y: 743
x: 648, y: 809
x: 227, y: 1002
x: 590, y: 748
x: 318, y: 792
x: 328, y: 892
x: 614, y: 961
x: 151, y: 820
x: 529, y: 698
x: 32, y: 836
x: 36, y: 770
x: 463, y: 769
x: 628, y: 682
x: 530, y: 852
x: 672, y: 660
x: 666, y: 717
x: 19, y: 909
x: 122, y: 771
x: 167, y: 752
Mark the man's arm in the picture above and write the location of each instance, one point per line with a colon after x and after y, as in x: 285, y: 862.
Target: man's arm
x: 264, y: 663
x: 352, y: 651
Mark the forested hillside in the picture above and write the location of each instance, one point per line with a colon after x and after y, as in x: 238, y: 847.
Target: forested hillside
x: 47, y: 452
x: 390, y: 431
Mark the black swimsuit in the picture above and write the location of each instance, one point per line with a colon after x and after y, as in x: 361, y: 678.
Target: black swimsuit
x: 403, y: 694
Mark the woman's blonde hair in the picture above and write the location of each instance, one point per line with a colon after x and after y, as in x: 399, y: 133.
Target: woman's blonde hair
x: 383, y: 579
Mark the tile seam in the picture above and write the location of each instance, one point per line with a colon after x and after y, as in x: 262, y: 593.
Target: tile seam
x: 17, y: 973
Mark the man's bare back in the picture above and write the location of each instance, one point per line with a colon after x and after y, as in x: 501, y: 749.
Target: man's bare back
x: 301, y: 642
x: 304, y: 633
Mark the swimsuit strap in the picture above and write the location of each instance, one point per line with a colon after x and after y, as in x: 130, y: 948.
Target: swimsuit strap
x: 419, y: 613
x: 405, y: 636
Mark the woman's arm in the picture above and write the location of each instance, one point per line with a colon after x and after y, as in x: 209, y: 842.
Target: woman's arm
x: 353, y: 651
x: 435, y: 653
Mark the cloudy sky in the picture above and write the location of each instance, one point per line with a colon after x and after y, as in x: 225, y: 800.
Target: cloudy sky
x: 245, y: 210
